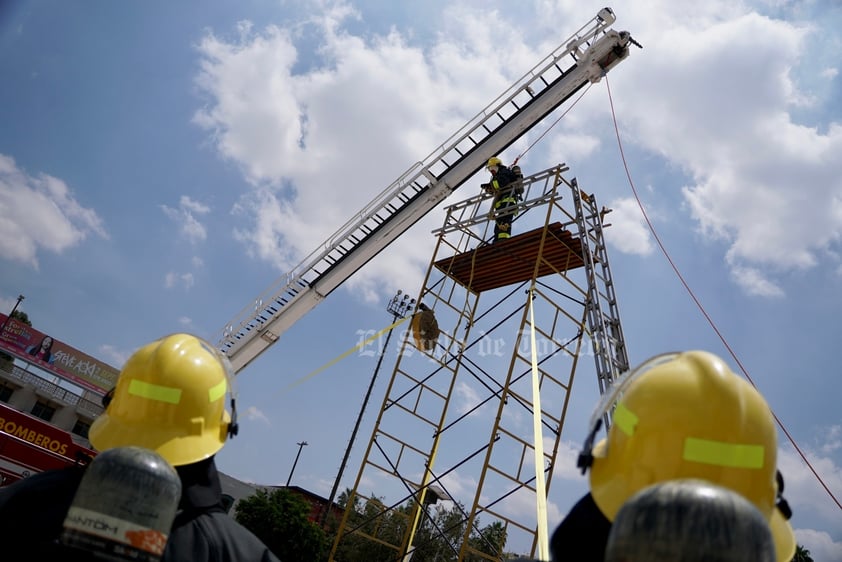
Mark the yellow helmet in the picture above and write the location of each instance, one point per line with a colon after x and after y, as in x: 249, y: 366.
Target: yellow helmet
x: 687, y: 415
x: 494, y: 161
x: 170, y: 397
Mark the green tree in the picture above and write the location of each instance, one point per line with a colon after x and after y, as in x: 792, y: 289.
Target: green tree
x: 802, y: 555
x: 439, y: 534
x: 375, y: 532
x: 21, y: 317
x: 439, y: 537
x: 490, y: 539
x: 372, y: 531
x: 6, y: 360
x: 280, y: 519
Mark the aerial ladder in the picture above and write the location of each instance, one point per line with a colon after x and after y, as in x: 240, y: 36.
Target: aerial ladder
x: 583, y: 58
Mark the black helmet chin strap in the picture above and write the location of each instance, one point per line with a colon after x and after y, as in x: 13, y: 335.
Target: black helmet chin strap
x: 233, y: 427
x: 780, y: 502
x: 108, y: 397
x: 585, y: 459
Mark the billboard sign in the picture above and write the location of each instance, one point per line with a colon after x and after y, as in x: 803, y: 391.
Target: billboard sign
x: 55, y: 356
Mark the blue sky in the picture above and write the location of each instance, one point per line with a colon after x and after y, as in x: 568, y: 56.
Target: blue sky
x: 162, y: 164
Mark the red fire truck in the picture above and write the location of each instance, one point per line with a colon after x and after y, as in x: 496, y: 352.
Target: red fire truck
x: 29, y: 445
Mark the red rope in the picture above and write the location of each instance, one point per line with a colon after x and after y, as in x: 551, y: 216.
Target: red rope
x: 699, y: 304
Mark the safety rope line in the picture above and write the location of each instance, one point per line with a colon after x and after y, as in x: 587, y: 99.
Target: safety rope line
x: 336, y: 360
x: 699, y: 304
x: 538, y: 445
x: 542, y: 135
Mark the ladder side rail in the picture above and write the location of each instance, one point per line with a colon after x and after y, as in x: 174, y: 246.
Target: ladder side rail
x: 620, y: 359
x: 596, y: 321
x: 614, y: 338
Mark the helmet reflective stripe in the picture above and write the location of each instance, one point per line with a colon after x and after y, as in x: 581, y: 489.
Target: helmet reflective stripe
x: 218, y: 391
x: 171, y: 395
x: 701, y: 450
x: 723, y: 454
x: 625, y: 419
x: 155, y: 391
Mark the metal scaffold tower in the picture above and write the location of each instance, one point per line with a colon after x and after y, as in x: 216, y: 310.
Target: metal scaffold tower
x: 456, y: 422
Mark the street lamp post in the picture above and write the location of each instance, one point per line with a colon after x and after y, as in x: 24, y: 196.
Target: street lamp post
x: 399, y: 307
x: 14, y: 308
x: 301, y: 445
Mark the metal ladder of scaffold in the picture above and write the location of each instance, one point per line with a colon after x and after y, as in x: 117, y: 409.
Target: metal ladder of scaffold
x: 408, y: 454
x: 605, y: 330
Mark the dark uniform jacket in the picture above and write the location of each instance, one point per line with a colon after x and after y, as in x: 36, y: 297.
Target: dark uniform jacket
x: 582, y: 534
x: 32, y: 512
x: 501, y: 183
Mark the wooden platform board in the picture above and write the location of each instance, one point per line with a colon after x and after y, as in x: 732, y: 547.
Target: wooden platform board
x: 513, y: 260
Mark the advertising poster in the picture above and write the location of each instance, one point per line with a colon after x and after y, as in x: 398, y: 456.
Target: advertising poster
x: 55, y: 356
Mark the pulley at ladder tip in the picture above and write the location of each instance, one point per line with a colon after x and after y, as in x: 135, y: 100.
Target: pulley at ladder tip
x: 425, y: 328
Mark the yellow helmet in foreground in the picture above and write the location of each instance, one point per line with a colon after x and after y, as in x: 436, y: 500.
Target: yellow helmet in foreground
x: 170, y: 397
x: 687, y: 415
x: 494, y: 161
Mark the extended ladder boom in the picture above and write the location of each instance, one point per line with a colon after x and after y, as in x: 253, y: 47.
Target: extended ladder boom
x: 592, y: 51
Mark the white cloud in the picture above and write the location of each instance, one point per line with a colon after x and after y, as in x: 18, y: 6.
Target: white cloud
x: 318, y: 140
x: 253, y: 413
x: 522, y: 504
x: 752, y: 280
x: 460, y: 487
x: 320, y: 145
x: 830, y: 73
x: 812, y: 506
x: 185, y: 217
x: 832, y: 441
x: 565, y: 463
x: 192, y: 206
x: 40, y: 212
x: 628, y: 231
x: 467, y: 398
x: 574, y: 146
x: 172, y: 279
x: 113, y: 356
x: 820, y: 544
x: 727, y: 122
x: 6, y: 304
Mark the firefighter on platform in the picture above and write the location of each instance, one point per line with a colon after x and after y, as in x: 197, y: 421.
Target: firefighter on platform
x: 170, y: 398
x: 504, y: 204
x: 677, y: 416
